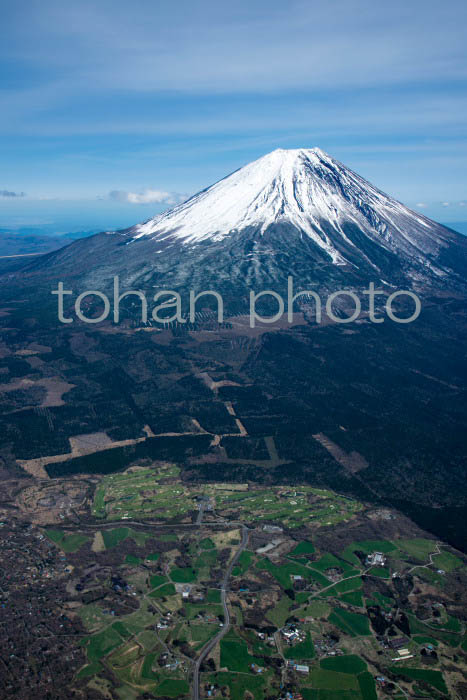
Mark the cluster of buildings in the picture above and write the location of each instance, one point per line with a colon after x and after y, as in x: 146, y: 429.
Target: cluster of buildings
x: 375, y: 559
x: 189, y: 592
x: 212, y: 691
x: 208, y: 618
x: 402, y: 655
x: 327, y: 647
x: 299, y: 668
x: 334, y: 574
x: 288, y: 695
x: 169, y: 662
x: 293, y: 634
x: 399, y: 645
x: 268, y: 639
x: 32, y: 601
x: 394, y: 644
x: 165, y: 621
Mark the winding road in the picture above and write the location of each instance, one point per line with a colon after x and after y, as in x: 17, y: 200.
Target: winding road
x: 211, y: 643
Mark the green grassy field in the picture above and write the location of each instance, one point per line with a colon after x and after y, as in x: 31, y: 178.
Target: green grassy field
x: 367, y: 686
x: 316, y: 608
x: 434, y: 678
x: 304, y: 547
x: 244, y: 561
x: 102, y: 643
x: 68, y: 543
x: 172, y: 688
x: 417, y: 627
x: 258, y: 646
x: 235, y: 655
x: 283, y: 572
x: 157, y: 580
x: 367, y: 547
x: 125, y: 655
x: 417, y: 548
x: 342, y: 677
x: 131, y: 559
x: 279, y: 614
x: 201, y: 633
x: 332, y: 680
x: 89, y: 670
x: 148, y: 639
x: 352, y: 623
x: 238, y: 684
x: 183, y: 575
x: 351, y: 584
x: 329, y: 561
x: 344, y: 664
x: 163, y: 591
x: 423, y: 639
x: 379, y: 571
x: 447, y: 561
x: 121, y: 629
x: 301, y: 651
x: 112, y: 538
x: 383, y: 600
x: 155, y: 556
x: 194, y: 609
x: 213, y: 595
x: 206, y: 559
x: 353, y: 598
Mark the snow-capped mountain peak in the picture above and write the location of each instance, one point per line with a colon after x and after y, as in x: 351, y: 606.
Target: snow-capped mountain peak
x: 298, y: 213
x: 308, y: 190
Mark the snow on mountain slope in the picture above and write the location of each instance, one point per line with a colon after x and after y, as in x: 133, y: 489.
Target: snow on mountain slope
x: 296, y: 213
x: 311, y: 191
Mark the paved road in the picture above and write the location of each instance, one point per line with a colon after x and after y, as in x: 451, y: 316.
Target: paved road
x: 209, y: 646
x: 430, y: 558
x: 202, y: 505
x: 86, y: 527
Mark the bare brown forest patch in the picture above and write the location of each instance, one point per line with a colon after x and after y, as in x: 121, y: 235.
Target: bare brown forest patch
x: 353, y: 461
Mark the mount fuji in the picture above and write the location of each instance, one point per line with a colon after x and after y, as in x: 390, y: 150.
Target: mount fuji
x: 375, y: 410
x: 293, y: 212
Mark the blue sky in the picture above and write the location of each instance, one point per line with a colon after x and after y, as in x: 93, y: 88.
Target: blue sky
x: 111, y: 111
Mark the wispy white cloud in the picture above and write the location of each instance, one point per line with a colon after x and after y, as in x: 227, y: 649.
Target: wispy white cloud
x: 147, y: 196
x: 9, y: 193
x: 454, y: 204
x: 224, y: 47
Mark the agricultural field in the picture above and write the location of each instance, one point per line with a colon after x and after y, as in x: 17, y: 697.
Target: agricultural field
x: 68, y: 543
x: 314, y: 594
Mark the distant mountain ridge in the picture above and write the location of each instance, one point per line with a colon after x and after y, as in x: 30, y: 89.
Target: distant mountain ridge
x: 31, y: 240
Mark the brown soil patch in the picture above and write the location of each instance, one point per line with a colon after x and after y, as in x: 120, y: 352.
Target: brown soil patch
x: 98, y: 544
x: 54, y: 386
x: 353, y: 461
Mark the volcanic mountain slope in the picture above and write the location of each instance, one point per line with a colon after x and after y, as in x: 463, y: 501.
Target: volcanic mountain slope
x: 373, y: 410
x: 292, y: 212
